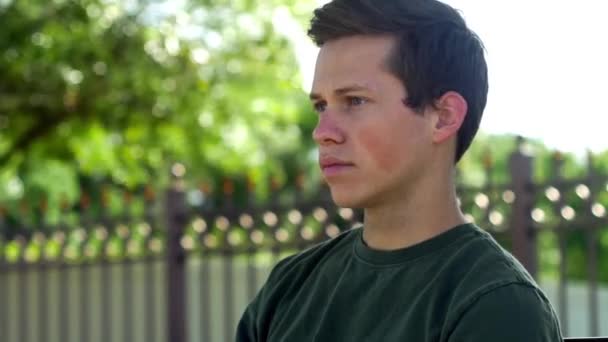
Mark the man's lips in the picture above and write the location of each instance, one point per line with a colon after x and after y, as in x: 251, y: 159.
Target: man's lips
x: 332, y: 165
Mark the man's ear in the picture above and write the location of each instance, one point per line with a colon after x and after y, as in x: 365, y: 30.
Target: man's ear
x: 450, y: 111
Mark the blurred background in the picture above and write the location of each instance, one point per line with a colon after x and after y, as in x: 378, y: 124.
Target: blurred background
x: 156, y: 160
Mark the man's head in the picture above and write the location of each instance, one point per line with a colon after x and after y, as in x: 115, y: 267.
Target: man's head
x: 398, y: 85
x: 435, y: 52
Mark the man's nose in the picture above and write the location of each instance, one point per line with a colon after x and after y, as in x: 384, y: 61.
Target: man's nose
x: 327, y: 131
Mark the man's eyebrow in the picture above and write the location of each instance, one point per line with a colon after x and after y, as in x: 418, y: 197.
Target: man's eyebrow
x: 342, y: 91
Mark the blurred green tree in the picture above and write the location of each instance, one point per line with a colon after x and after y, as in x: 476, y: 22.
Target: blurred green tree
x: 121, y: 90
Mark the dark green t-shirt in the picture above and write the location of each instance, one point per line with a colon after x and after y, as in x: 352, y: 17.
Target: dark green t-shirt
x: 460, y: 286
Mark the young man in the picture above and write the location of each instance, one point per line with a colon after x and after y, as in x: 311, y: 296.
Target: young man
x: 399, y: 87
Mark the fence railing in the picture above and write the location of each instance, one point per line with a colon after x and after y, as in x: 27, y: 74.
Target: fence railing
x: 182, y: 266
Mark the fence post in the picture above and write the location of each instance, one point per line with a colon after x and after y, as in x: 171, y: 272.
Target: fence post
x: 521, y: 227
x: 176, y: 216
x: 594, y: 183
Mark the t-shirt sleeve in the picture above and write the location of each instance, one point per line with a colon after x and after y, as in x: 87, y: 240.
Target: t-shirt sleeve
x: 514, y: 312
x: 246, y: 330
x: 253, y: 324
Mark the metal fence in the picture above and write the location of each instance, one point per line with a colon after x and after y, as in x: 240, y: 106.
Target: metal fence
x: 183, y: 266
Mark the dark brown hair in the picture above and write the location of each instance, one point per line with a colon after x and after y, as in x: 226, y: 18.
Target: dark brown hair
x: 435, y: 52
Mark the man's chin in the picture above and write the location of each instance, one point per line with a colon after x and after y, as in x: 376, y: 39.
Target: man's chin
x: 345, y: 199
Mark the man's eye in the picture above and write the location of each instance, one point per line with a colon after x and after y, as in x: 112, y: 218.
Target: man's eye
x: 355, y: 100
x: 319, y: 106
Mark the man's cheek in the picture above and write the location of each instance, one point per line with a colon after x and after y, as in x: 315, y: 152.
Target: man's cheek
x: 381, y: 147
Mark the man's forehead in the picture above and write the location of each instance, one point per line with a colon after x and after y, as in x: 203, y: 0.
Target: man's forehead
x: 350, y: 61
x: 360, y: 42
x: 353, y: 51
x: 336, y: 79
x: 339, y: 88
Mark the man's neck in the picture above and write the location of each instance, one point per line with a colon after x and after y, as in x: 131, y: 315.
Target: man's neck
x: 408, y: 221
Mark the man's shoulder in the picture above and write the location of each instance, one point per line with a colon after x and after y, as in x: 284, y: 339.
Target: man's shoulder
x: 483, y: 317
x: 489, y: 276
x: 483, y: 260
x: 490, y: 279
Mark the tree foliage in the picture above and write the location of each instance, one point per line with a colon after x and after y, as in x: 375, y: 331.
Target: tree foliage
x: 122, y: 90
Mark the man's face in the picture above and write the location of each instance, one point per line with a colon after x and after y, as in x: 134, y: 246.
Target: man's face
x: 372, y: 147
